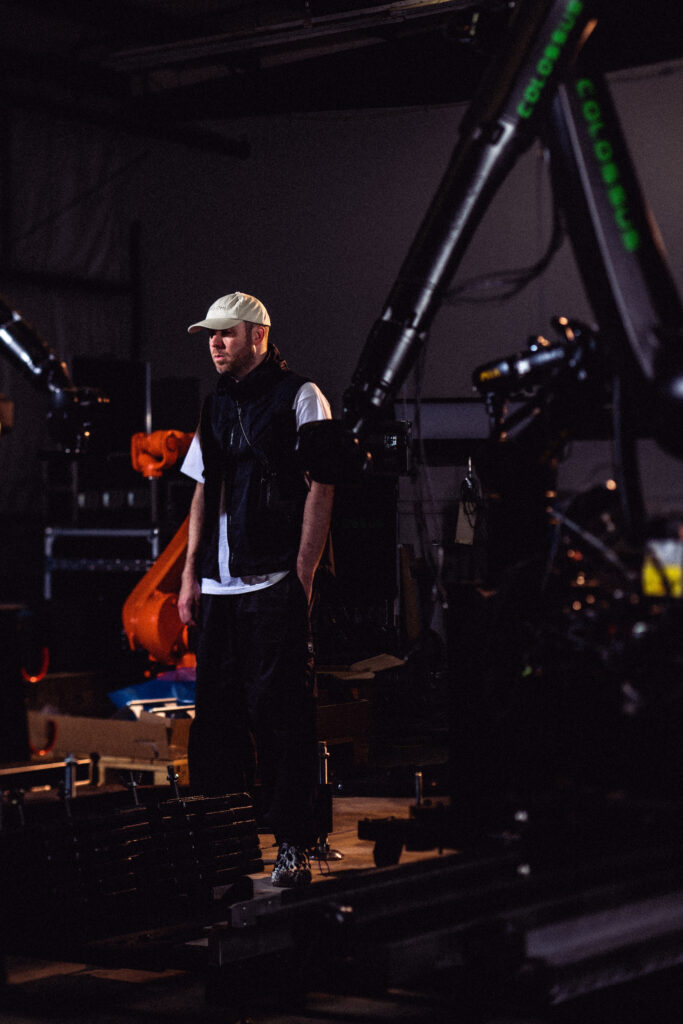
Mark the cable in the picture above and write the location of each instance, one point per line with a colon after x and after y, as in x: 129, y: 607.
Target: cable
x: 512, y: 281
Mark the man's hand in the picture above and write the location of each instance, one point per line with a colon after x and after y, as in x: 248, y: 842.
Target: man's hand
x: 188, y: 600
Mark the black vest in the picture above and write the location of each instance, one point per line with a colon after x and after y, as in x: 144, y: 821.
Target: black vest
x: 248, y: 435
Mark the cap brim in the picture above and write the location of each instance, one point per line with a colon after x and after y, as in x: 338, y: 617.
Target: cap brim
x: 213, y: 325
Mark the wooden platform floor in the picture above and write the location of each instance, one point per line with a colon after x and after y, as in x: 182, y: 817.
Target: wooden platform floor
x: 77, y: 993
x: 56, y: 992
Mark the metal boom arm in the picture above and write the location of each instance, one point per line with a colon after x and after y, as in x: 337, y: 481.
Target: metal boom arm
x: 500, y: 124
x: 71, y: 410
x: 619, y: 254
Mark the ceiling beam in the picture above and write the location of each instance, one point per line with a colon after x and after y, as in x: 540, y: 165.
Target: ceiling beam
x: 292, y: 37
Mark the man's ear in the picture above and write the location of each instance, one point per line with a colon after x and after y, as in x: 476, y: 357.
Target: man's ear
x: 258, y: 333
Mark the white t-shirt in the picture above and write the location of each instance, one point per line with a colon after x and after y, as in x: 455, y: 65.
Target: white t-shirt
x: 309, y: 404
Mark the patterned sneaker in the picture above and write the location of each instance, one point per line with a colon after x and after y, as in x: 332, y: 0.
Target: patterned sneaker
x: 292, y: 867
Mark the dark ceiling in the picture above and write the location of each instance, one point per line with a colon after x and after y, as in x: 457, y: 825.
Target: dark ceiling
x: 171, y: 66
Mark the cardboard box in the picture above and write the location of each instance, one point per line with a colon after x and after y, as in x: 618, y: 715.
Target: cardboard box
x: 150, y: 773
x: 148, y: 738
x: 178, y: 735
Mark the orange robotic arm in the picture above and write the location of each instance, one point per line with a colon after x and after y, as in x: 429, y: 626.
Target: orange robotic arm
x: 150, y: 612
x: 152, y: 453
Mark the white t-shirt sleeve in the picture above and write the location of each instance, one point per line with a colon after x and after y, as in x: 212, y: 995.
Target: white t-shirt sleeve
x: 310, y: 404
x: 193, y: 463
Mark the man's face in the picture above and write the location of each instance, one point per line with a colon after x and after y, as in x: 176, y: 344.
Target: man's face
x: 233, y: 351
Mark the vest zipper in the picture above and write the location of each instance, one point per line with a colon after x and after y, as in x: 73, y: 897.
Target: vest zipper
x: 239, y: 420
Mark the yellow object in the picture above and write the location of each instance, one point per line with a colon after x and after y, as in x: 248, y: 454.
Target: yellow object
x: 662, y: 572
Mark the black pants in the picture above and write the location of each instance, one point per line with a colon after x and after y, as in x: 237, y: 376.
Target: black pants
x: 255, y: 704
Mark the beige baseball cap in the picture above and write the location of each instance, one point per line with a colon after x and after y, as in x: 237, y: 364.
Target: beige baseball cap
x: 230, y: 310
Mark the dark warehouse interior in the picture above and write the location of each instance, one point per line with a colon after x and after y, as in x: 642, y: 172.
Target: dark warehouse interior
x: 464, y: 221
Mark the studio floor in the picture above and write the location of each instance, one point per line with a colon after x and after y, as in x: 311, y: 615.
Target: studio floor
x: 71, y: 993
x: 408, y: 735
x: 37, y: 991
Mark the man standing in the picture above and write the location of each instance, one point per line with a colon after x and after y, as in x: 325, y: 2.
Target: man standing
x: 257, y: 530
